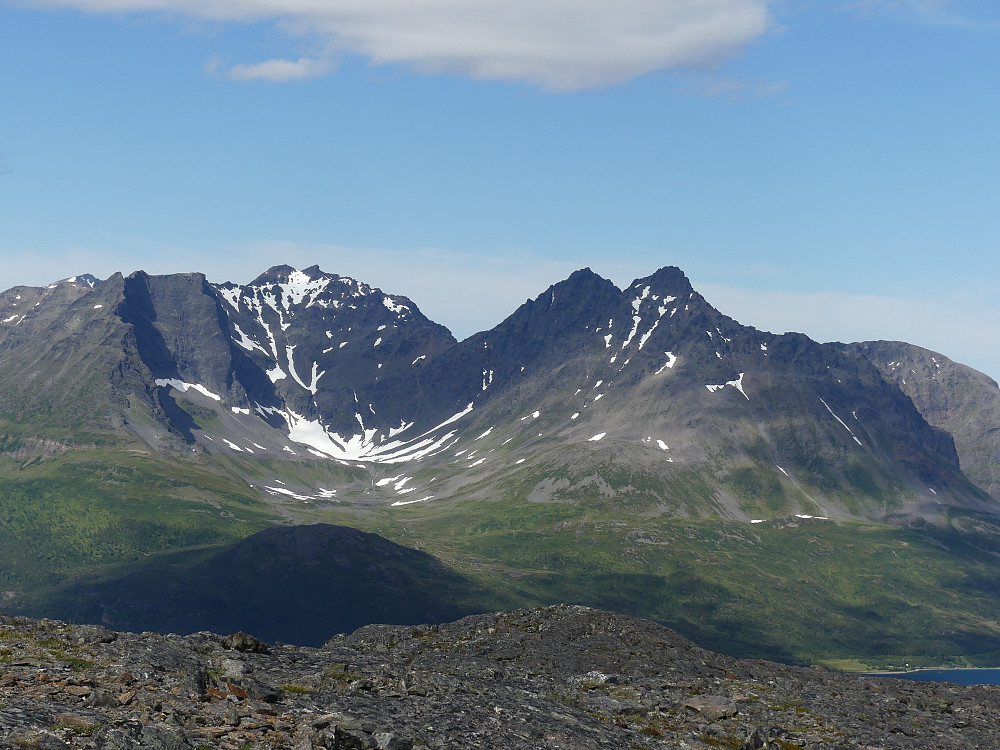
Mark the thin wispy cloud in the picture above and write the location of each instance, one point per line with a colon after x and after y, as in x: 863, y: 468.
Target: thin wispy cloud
x: 732, y: 88
x: 276, y: 71
x: 558, y: 44
x: 971, y: 15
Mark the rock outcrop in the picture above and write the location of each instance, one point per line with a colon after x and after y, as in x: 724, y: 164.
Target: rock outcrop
x: 556, y: 677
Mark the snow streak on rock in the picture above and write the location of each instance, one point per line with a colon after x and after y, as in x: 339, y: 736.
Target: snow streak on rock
x: 183, y: 387
x: 841, y: 422
x: 364, y: 447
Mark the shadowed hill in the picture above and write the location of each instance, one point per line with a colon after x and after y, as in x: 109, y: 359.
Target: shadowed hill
x: 297, y: 584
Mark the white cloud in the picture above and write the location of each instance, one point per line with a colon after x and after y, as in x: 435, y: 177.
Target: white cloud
x: 279, y: 71
x: 556, y: 44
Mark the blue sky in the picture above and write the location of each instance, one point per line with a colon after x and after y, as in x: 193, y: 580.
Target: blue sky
x: 830, y: 167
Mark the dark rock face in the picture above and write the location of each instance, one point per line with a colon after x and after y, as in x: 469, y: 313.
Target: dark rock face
x: 309, y: 366
x: 332, y: 346
x: 959, y: 400
x: 558, y: 677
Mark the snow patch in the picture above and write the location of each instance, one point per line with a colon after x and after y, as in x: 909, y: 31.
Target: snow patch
x: 403, y: 427
x: 636, y: 320
x: 315, y: 376
x: 299, y: 286
x: 411, y: 502
x: 183, y: 387
x: 669, y: 365
x: 230, y: 295
x: 638, y: 300
x: 395, y: 307
x: 599, y: 436
x: 645, y: 338
x: 737, y: 384
x: 246, y: 342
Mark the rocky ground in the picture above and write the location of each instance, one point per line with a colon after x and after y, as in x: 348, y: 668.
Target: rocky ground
x: 557, y: 677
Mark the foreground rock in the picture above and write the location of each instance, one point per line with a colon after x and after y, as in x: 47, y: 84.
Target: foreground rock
x: 557, y: 677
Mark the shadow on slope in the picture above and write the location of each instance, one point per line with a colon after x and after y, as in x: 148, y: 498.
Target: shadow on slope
x: 298, y: 584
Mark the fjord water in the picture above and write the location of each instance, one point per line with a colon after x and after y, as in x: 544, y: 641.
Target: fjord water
x: 956, y: 676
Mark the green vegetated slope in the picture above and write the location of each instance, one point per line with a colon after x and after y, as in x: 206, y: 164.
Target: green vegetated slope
x: 790, y: 589
x: 794, y: 590
x: 602, y: 525
x: 67, y: 514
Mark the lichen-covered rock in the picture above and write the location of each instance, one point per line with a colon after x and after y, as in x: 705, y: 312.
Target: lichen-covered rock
x: 555, y: 677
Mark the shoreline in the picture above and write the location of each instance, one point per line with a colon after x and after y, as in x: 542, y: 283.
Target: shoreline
x: 923, y: 670
x: 927, y: 669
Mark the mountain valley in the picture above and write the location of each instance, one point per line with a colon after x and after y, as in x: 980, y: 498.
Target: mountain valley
x: 634, y: 450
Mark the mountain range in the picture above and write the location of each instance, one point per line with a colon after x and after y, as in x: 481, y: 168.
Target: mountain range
x: 629, y: 448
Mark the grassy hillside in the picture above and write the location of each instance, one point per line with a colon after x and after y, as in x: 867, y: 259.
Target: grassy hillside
x: 794, y: 590
x: 69, y: 513
x: 84, y: 528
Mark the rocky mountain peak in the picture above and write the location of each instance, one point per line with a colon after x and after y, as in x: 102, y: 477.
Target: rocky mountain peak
x: 84, y: 279
x: 273, y: 275
x: 668, y: 280
x: 580, y: 300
